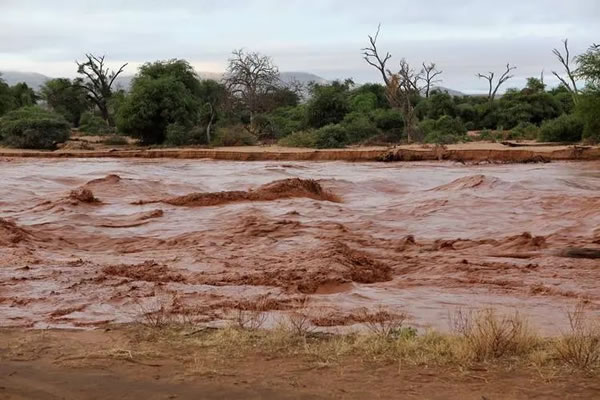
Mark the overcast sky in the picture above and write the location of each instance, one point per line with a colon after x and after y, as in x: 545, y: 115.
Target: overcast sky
x: 319, y: 36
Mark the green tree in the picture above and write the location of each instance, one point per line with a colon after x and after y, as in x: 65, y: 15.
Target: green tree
x: 162, y: 93
x: 23, y: 95
x: 329, y: 104
x: 66, y: 98
x: 6, y: 98
x: 588, y: 107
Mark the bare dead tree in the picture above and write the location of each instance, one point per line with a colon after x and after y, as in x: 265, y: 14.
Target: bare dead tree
x: 401, y: 86
x: 99, y: 82
x: 565, y: 60
x: 429, y: 74
x: 493, y: 90
x: 250, y: 76
x: 372, y: 57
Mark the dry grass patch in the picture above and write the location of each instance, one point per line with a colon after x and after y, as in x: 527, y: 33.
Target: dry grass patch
x: 580, y: 347
x: 487, y: 335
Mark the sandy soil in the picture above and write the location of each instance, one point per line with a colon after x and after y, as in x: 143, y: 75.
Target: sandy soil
x: 90, y: 242
x: 107, y: 365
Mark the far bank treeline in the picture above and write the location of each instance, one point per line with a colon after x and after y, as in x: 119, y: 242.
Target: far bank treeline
x: 167, y: 104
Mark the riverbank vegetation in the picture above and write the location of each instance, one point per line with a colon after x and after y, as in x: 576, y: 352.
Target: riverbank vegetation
x: 168, y: 105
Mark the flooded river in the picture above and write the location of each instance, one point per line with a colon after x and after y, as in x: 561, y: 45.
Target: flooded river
x: 88, y: 242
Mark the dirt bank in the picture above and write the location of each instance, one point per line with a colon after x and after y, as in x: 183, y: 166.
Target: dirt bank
x: 468, y: 152
x: 126, y: 363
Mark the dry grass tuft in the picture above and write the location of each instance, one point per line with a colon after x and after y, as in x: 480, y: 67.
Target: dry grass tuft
x: 489, y: 336
x: 580, y: 347
x: 383, y: 323
x: 300, y: 321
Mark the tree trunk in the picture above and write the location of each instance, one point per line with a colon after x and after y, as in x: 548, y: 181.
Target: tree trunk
x: 209, y: 127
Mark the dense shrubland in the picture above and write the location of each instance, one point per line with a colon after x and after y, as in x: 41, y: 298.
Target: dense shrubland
x: 167, y: 104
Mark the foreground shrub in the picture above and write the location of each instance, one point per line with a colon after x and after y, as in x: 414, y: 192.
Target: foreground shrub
x: 235, y: 135
x: 489, y: 336
x: 33, y: 128
x: 93, y: 124
x: 580, y: 348
x: 566, y: 128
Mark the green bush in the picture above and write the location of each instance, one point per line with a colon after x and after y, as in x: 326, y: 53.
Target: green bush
x: 33, y: 128
x: 358, y: 127
x: 388, y: 119
x: 180, y: 135
x: 161, y: 94
x: 299, y: 139
x: 525, y: 130
x: 235, y: 135
x: 566, y: 128
x: 331, y: 137
x: 445, y: 130
x: 287, y: 120
x: 92, y: 124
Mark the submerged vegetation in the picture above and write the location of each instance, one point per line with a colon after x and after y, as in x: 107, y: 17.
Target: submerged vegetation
x: 168, y: 104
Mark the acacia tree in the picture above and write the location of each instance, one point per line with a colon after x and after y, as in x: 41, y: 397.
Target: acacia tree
x: 401, y: 86
x: 493, y: 90
x: 99, y: 82
x: 250, y: 78
x: 565, y: 59
x: 429, y: 74
x: 589, y: 66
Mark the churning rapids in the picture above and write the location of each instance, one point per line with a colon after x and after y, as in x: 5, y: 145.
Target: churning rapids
x: 89, y: 242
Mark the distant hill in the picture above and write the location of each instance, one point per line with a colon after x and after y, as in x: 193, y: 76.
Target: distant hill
x: 32, y: 79
x: 451, y: 92
x: 36, y: 80
x: 124, y: 81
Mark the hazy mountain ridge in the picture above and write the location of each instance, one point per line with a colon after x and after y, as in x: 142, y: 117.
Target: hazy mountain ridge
x: 36, y: 80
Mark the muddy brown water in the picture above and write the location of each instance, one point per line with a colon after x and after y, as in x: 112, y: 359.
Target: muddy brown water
x: 426, y: 239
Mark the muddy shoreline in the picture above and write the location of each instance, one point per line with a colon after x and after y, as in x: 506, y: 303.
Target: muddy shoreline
x: 470, y: 152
